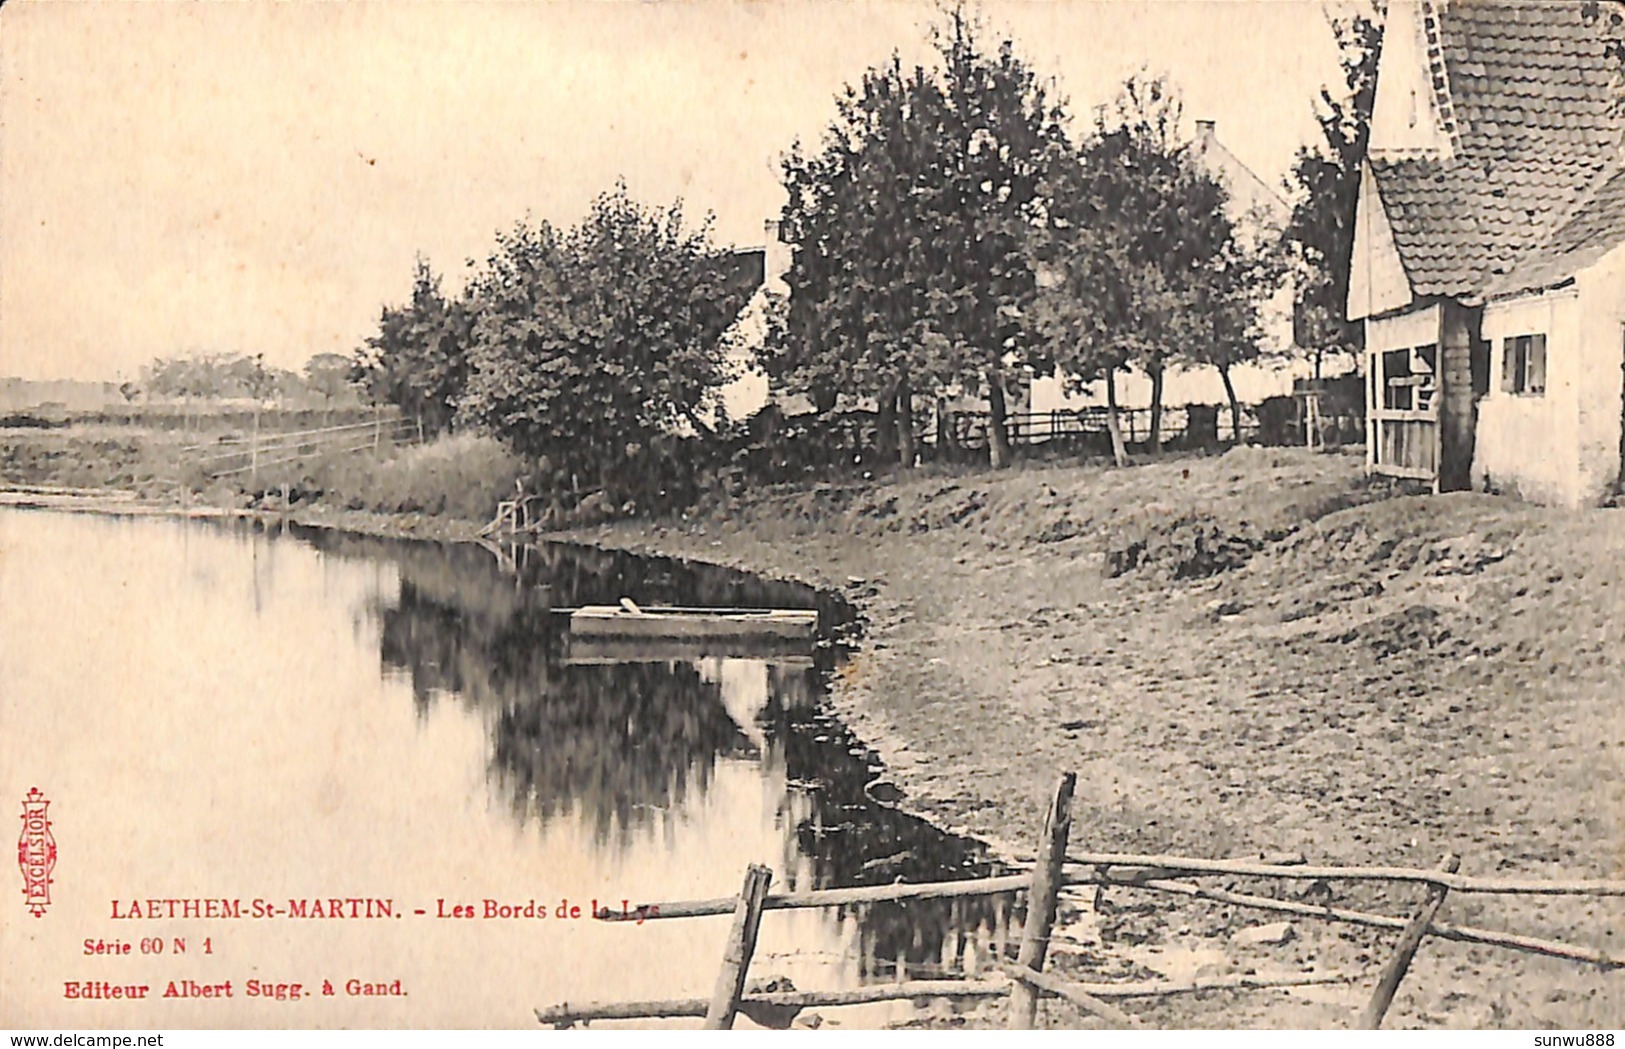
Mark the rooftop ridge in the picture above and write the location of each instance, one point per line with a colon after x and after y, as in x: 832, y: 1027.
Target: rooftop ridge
x: 1439, y: 72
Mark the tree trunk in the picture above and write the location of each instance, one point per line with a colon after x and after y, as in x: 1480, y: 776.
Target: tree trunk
x: 701, y: 428
x: 886, y: 426
x: 1156, y: 409
x: 998, y: 438
x: 1235, y: 405
x: 905, y: 424
x: 1114, y: 426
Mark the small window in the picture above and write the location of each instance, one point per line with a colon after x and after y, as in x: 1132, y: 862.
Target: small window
x: 1523, y: 365
x: 1397, y: 379
x: 1425, y: 361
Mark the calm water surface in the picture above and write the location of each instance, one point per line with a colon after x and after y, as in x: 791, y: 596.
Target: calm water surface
x: 220, y: 712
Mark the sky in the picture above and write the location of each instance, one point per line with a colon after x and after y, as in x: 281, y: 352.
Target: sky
x: 188, y: 177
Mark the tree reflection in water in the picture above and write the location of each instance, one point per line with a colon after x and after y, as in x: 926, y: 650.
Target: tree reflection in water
x: 622, y: 743
x: 618, y: 743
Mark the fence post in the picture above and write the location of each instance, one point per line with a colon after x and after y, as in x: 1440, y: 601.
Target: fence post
x: 1041, y: 899
x: 377, y: 425
x: 254, y: 450
x: 741, y: 945
x: 1409, y: 941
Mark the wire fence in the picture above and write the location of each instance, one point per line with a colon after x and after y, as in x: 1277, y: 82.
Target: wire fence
x: 244, y: 455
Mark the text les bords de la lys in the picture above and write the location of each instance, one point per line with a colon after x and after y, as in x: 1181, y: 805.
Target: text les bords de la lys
x: 537, y: 909
x: 375, y: 907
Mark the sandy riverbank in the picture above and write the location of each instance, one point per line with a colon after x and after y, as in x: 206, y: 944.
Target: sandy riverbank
x: 1247, y: 654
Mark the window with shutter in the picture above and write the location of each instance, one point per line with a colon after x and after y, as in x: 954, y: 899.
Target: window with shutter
x: 1523, y: 365
x: 1535, y: 370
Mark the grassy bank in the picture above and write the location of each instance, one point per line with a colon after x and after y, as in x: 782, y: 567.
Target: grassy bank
x: 441, y: 487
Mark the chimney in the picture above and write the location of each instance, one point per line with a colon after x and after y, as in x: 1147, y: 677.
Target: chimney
x: 1204, y: 131
x: 776, y: 262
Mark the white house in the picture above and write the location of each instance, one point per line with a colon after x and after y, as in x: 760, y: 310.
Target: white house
x: 748, y: 392
x: 1489, y: 254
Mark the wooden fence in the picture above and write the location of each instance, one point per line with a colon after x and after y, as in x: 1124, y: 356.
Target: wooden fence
x: 1024, y: 980
x: 1081, y: 426
x: 248, y: 453
x: 1193, y: 426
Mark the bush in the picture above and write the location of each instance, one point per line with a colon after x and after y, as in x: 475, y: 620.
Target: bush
x: 462, y: 476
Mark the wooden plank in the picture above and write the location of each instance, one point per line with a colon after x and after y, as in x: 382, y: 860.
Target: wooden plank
x: 1415, y: 473
x: 1041, y: 900
x: 1128, y: 869
x: 1070, y: 991
x: 1443, y: 930
x: 829, y: 898
x: 566, y: 1013
x: 1409, y: 941
x: 1308, y: 872
x: 719, y: 1016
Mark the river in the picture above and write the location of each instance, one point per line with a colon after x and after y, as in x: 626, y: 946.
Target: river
x: 257, y: 719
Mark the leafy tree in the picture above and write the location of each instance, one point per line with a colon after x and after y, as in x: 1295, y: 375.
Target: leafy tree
x: 1232, y: 292
x: 910, y: 273
x: 418, y: 359
x: 591, y: 345
x: 331, y: 375
x: 1136, y: 250
x: 249, y: 377
x: 1320, y: 234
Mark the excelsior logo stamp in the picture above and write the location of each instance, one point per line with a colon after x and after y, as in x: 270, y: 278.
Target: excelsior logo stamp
x: 36, y: 852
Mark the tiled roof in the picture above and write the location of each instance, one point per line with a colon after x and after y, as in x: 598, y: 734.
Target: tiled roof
x: 1247, y: 192
x: 1525, y: 90
x: 1596, y: 227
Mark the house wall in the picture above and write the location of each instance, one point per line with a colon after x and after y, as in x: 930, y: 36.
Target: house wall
x: 1530, y: 444
x: 1253, y: 382
x: 748, y: 392
x: 1414, y: 327
x: 1602, y: 391
x: 1179, y: 388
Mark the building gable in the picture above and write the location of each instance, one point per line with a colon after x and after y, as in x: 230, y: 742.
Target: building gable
x: 1377, y: 279
x: 1252, y: 202
x: 1407, y: 117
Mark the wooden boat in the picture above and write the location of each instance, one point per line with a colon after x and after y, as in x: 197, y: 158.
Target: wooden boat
x: 627, y: 620
x: 591, y: 650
